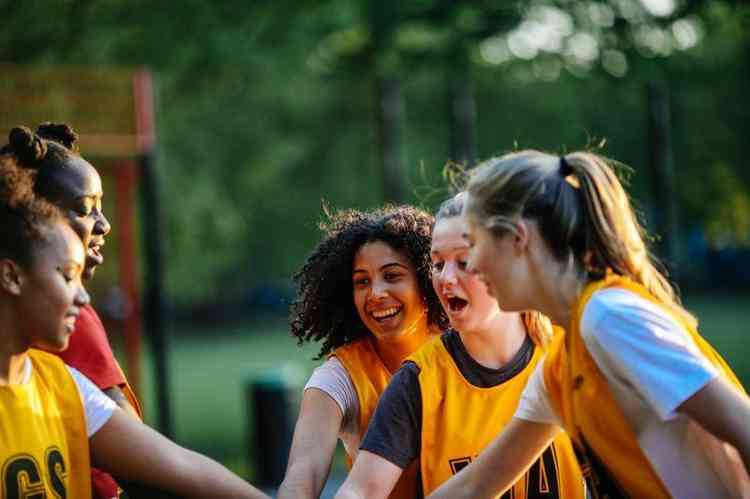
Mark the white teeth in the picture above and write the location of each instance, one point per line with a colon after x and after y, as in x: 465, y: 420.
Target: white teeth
x: 379, y: 314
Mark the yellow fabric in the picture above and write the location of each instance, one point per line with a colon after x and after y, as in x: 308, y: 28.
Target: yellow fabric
x: 44, y: 448
x: 127, y: 390
x: 612, y: 461
x: 370, y: 377
x: 459, y: 420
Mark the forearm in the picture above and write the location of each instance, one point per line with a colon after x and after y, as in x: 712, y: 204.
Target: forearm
x: 349, y: 492
x: 211, y: 480
x: 461, y: 486
x: 302, y: 481
x: 132, y: 451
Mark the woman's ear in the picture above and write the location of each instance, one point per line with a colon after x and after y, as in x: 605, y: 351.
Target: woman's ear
x: 11, y: 278
x: 521, y: 236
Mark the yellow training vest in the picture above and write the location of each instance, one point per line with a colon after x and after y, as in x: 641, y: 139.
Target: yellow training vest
x: 44, y: 448
x: 611, y: 459
x: 370, y: 377
x: 459, y: 420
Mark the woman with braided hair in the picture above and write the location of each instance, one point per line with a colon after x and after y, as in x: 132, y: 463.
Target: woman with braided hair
x: 454, y: 395
x: 651, y: 408
x: 55, y: 421
x: 365, y: 292
x: 66, y: 179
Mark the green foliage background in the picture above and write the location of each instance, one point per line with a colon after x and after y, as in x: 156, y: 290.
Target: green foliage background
x: 266, y: 108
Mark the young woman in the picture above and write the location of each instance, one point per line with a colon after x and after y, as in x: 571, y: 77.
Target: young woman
x: 54, y: 419
x: 648, y: 404
x: 455, y: 394
x: 365, y: 291
x: 67, y: 180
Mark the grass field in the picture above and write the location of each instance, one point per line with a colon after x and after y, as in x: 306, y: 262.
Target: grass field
x: 210, y: 371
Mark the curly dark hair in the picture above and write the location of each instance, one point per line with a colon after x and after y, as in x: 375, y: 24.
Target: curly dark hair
x: 44, y: 153
x: 324, y: 307
x: 24, y: 216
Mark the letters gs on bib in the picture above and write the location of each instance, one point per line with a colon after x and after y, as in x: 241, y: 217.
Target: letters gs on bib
x: 23, y: 478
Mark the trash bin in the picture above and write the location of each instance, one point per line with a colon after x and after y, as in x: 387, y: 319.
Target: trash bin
x: 272, y: 399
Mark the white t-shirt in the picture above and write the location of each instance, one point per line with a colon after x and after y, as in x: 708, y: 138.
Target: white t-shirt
x: 333, y: 379
x: 652, y: 366
x: 97, y: 407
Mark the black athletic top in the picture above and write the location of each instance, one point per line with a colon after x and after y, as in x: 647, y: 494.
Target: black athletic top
x: 395, y: 429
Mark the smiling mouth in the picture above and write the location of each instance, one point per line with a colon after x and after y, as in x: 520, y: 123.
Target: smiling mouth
x: 95, y: 251
x: 70, y: 323
x: 457, y: 304
x: 385, y: 314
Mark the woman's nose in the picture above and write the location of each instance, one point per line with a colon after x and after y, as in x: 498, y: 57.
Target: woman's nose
x: 448, y: 275
x: 102, y: 226
x: 82, y: 297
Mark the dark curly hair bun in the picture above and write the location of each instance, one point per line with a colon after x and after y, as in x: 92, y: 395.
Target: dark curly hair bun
x: 60, y: 133
x: 28, y: 147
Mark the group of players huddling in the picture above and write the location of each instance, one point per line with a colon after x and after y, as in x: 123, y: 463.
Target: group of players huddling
x: 521, y: 343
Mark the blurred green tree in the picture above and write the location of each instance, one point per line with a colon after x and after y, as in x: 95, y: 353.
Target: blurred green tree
x: 265, y: 108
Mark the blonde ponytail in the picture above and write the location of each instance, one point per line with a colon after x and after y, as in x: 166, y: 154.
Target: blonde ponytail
x: 582, y: 210
x: 538, y: 327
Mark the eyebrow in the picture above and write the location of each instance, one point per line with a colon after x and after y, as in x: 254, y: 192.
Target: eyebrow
x: 457, y: 247
x: 90, y: 196
x: 71, y: 263
x: 394, y: 264
x: 387, y: 265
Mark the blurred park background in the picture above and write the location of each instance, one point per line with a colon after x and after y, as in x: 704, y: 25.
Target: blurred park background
x: 265, y: 109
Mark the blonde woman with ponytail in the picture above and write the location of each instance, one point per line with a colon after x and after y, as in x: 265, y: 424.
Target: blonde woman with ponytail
x: 453, y: 396
x: 652, y: 410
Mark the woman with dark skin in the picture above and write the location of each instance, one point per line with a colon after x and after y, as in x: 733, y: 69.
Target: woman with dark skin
x: 70, y: 182
x: 55, y: 421
x: 366, y: 293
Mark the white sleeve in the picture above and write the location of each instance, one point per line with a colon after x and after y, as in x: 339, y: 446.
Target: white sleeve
x: 535, y: 403
x: 333, y: 379
x: 645, y: 348
x: 97, y: 407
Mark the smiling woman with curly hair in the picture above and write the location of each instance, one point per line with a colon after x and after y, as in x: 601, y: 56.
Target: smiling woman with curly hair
x: 366, y: 293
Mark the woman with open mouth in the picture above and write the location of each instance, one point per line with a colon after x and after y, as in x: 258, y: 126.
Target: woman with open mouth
x: 366, y: 293
x: 55, y: 421
x: 651, y: 408
x: 67, y: 180
x: 453, y: 396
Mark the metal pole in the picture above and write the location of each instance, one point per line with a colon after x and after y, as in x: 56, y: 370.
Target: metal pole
x: 154, y: 303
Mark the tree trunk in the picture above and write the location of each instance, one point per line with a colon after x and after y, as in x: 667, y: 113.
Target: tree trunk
x: 461, y: 109
x: 661, y: 164
x: 389, y: 112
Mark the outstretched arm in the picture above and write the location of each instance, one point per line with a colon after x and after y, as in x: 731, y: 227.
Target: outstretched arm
x: 372, y: 477
x: 126, y: 448
x: 723, y: 411
x: 313, y: 446
x: 501, y: 464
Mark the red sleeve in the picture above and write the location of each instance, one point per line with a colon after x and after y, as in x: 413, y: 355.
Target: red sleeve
x: 90, y: 353
x: 103, y: 486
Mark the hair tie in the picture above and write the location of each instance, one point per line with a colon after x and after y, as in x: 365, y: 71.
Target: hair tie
x: 565, y: 168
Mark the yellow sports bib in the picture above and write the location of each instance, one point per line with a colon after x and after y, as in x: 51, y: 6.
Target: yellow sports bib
x: 611, y: 459
x: 459, y: 420
x: 44, y: 449
x: 370, y: 377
